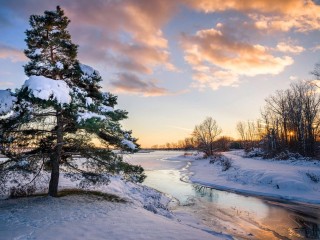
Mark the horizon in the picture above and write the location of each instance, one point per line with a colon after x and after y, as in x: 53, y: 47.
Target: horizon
x: 173, y: 63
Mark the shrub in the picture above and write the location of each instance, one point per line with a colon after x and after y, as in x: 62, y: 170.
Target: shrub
x: 314, y: 178
x: 221, y: 160
x: 22, y: 191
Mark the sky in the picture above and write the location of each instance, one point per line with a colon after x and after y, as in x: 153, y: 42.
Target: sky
x: 172, y: 63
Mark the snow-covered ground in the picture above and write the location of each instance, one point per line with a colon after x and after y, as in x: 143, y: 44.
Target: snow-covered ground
x: 144, y: 215
x: 294, y: 180
x: 87, y: 217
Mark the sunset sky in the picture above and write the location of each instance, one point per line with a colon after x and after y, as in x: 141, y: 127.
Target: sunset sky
x: 174, y: 62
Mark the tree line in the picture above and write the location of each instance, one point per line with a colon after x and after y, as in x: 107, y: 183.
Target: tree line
x: 290, y: 121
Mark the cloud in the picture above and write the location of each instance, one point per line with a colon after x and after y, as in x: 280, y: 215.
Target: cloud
x: 300, y: 15
x: 293, y: 78
x: 298, y: 22
x: 127, y: 36
x: 130, y: 83
x: 123, y: 35
x: 219, y: 56
x: 315, y: 48
x: 15, y: 55
x: 214, y: 79
x: 289, y: 48
x: 128, y: 33
x: 264, y: 6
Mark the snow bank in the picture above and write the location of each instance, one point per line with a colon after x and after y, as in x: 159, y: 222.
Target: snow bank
x: 6, y: 102
x: 144, y: 216
x: 87, y: 217
x: 289, y: 180
x: 48, y: 89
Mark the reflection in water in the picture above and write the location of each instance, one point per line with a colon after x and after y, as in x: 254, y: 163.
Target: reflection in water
x: 308, y: 229
x: 283, y: 221
x: 244, y: 217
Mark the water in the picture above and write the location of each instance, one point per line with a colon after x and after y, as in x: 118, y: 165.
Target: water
x: 243, y: 217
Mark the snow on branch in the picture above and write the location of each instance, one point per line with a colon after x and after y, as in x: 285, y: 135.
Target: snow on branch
x: 83, y: 116
x: 6, y: 102
x: 128, y: 144
x: 89, y: 71
x: 48, y: 89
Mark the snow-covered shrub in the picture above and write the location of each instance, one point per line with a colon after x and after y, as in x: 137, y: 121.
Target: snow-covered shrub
x: 286, y: 155
x: 22, y: 191
x: 256, y: 152
x: 226, y: 164
x: 215, y: 158
x: 314, y: 177
x: 221, y: 160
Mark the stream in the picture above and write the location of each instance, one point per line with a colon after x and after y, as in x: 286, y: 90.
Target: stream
x: 243, y: 217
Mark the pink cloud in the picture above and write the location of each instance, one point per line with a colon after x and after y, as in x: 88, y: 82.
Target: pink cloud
x: 15, y: 55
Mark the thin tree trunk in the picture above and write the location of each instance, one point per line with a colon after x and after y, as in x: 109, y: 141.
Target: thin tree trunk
x: 55, y: 159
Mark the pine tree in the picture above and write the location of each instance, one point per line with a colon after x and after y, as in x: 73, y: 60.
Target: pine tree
x: 58, y: 117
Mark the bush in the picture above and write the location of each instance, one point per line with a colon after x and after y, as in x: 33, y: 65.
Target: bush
x: 286, y: 155
x: 22, y: 191
x: 221, y: 160
x: 215, y: 158
x: 256, y: 152
x: 226, y: 164
x: 314, y: 178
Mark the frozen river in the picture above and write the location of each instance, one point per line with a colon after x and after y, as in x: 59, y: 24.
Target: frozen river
x: 244, y: 217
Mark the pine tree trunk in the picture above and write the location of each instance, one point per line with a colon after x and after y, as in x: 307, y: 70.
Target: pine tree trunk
x: 55, y: 159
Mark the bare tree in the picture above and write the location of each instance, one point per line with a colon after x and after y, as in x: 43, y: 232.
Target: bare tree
x: 249, y: 134
x: 205, y: 134
x: 291, y: 119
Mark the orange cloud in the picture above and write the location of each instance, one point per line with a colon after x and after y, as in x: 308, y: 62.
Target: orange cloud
x: 218, y: 58
x: 301, y: 15
x: 265, y: 6
x: 216, y: 48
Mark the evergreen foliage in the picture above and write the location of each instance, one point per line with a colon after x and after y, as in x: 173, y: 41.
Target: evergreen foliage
x: 45, y: 130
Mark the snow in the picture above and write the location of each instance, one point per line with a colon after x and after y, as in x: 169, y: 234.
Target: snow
x: 6, y: 102
x: 87, y: 70
x: 83, y: 116
x: 48, y: 89
x: 105, y: 109
x: 128, y: 143
x: 59, y: 65
x: 87, y: 217
x: 144, y: 215
x: 89, y: 101
x: 289, y: 180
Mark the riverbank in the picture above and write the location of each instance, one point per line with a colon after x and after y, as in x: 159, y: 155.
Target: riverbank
x: 289, y: 180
